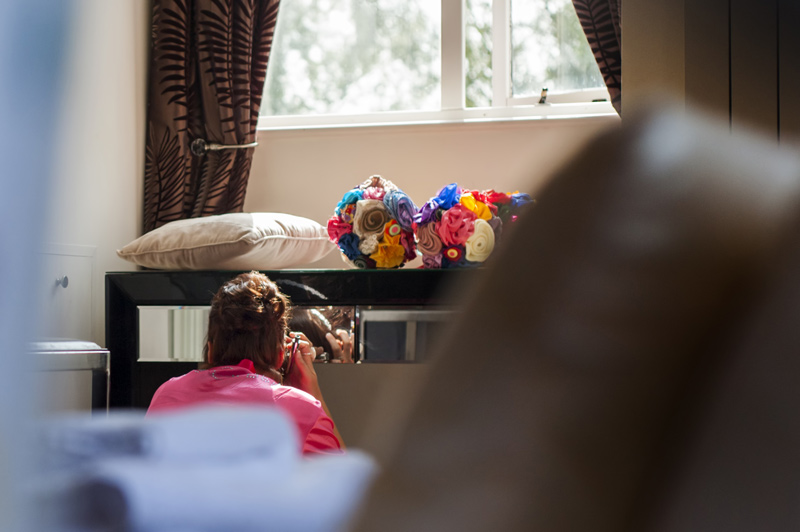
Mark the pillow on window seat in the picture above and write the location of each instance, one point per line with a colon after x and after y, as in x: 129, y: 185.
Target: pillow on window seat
x: 235, y: 241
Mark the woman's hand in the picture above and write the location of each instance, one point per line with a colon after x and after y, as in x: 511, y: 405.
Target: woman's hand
x: 301, y: 374
x: 342, y: 345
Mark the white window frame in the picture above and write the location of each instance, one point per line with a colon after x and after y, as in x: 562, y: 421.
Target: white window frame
x: 572, y: 104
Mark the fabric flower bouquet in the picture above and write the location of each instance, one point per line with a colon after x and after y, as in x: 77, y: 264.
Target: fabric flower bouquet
x: 458, y: 228
x: 372, y: 225
x: 376, y: 225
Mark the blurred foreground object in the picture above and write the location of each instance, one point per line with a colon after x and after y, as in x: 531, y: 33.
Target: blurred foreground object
x: 630, y: 359
x: 201, y: 469
x: 32, y: 40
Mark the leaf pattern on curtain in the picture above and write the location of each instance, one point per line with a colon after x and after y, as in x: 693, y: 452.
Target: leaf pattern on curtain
x: 163, y: 191
x: 601, y: 23
x: 208, y: 66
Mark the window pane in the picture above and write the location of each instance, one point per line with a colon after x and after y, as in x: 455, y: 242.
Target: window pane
x: 478, y: 35
x: 549, y: 49
x: 344, y: 56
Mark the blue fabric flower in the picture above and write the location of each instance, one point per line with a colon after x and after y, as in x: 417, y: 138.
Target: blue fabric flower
x: 460, y: 263
x: 448, y: 196
x: 401, y: 208
x: 350, y: 197
x: 348, y: 243
x: 519, y: 199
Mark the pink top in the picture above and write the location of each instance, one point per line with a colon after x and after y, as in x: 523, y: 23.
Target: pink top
x: 240, y: 385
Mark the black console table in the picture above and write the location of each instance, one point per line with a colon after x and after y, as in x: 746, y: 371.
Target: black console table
x: 133, y: 382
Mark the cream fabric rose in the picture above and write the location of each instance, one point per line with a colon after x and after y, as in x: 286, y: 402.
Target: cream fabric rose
x: 371, y: 216
x: 481, y: 243
x: 428, y: 242
x: 369, y: 244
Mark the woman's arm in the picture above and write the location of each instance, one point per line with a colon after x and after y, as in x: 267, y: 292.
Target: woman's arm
x: 303, y: 377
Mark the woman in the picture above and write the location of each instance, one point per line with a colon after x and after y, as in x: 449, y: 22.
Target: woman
x: 247, y: 354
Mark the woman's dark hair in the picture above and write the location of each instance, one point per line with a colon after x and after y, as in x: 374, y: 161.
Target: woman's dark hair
x: 248, y: 320
x: 314, y: 325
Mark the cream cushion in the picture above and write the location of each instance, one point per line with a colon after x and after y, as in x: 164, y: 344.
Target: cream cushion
x: 236, y: 241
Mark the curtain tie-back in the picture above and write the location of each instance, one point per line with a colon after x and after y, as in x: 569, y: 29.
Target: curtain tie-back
x: 199, y: 147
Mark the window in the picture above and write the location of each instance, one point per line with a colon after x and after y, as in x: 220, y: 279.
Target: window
x: 337, y: 62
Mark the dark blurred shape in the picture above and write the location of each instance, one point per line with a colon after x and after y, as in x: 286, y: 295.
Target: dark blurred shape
x: 628, y: 361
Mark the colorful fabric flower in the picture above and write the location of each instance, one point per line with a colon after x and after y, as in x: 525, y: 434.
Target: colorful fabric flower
x: 372, y: 233
x: 432, y: 261
x: 337, y: 228
x: 347, y: 213
x: 348, y: 244
x: 497, y: 198
x: 497, y: 227
x: 401, y: 208
x: 456, y: 225
x: 478, y: 207
x: 388, y: 255
x: 428, y: 242
x: 376, y: 193
x: 518, y: 199
x: 427, y: 213
x: 361, y: 262
x: 392, y: 229
x: 453, y: 253
x: 370, y: 217
x: 447, y: 196
x: 480, y: 244
x: 369, y: 244
x: 407, y: 241
x: 350, y: 197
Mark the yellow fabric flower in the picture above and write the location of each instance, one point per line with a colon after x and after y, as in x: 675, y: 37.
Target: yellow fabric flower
x: 388, y: 255
x: 478, y: 207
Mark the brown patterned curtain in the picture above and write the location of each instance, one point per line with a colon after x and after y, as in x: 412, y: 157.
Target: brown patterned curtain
x: 600, y: 21
x: 207, y: 69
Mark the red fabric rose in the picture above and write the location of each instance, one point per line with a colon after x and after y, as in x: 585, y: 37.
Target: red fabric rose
x: 456, y: 225
x: 337, y: 228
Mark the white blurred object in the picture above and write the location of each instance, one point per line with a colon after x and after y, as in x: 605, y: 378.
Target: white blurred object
x: 204, y: 469
x: 31, y: 35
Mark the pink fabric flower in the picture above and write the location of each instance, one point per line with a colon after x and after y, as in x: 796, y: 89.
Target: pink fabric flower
x: 337, y: 228
x: 456, y: 225
x: 376, y: 193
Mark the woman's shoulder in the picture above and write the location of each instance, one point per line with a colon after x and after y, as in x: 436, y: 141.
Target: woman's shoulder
x: 295, y: 396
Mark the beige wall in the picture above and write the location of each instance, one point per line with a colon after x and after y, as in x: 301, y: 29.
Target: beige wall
x: 97, y: 189
x: 306, y: 172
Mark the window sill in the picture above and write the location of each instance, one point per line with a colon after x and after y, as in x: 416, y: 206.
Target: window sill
x: 556, y: 111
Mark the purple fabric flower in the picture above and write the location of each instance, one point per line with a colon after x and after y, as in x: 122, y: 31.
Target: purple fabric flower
x: 427, y: 213
x: 401, y: 208
x: 348, y: 243
x: 433, y: 262
x: 497, y: 226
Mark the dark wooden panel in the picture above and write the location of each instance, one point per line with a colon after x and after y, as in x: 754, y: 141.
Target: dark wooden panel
x: 754, y: 65
x: 707, y: 54
x: 789, y: 71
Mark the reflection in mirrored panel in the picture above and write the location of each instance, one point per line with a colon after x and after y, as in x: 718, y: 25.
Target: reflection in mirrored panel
x: 316, y: 322
x: 178, y: 333
x: 172, y: 333
x: 378, y: 334
x: 400, y: 334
